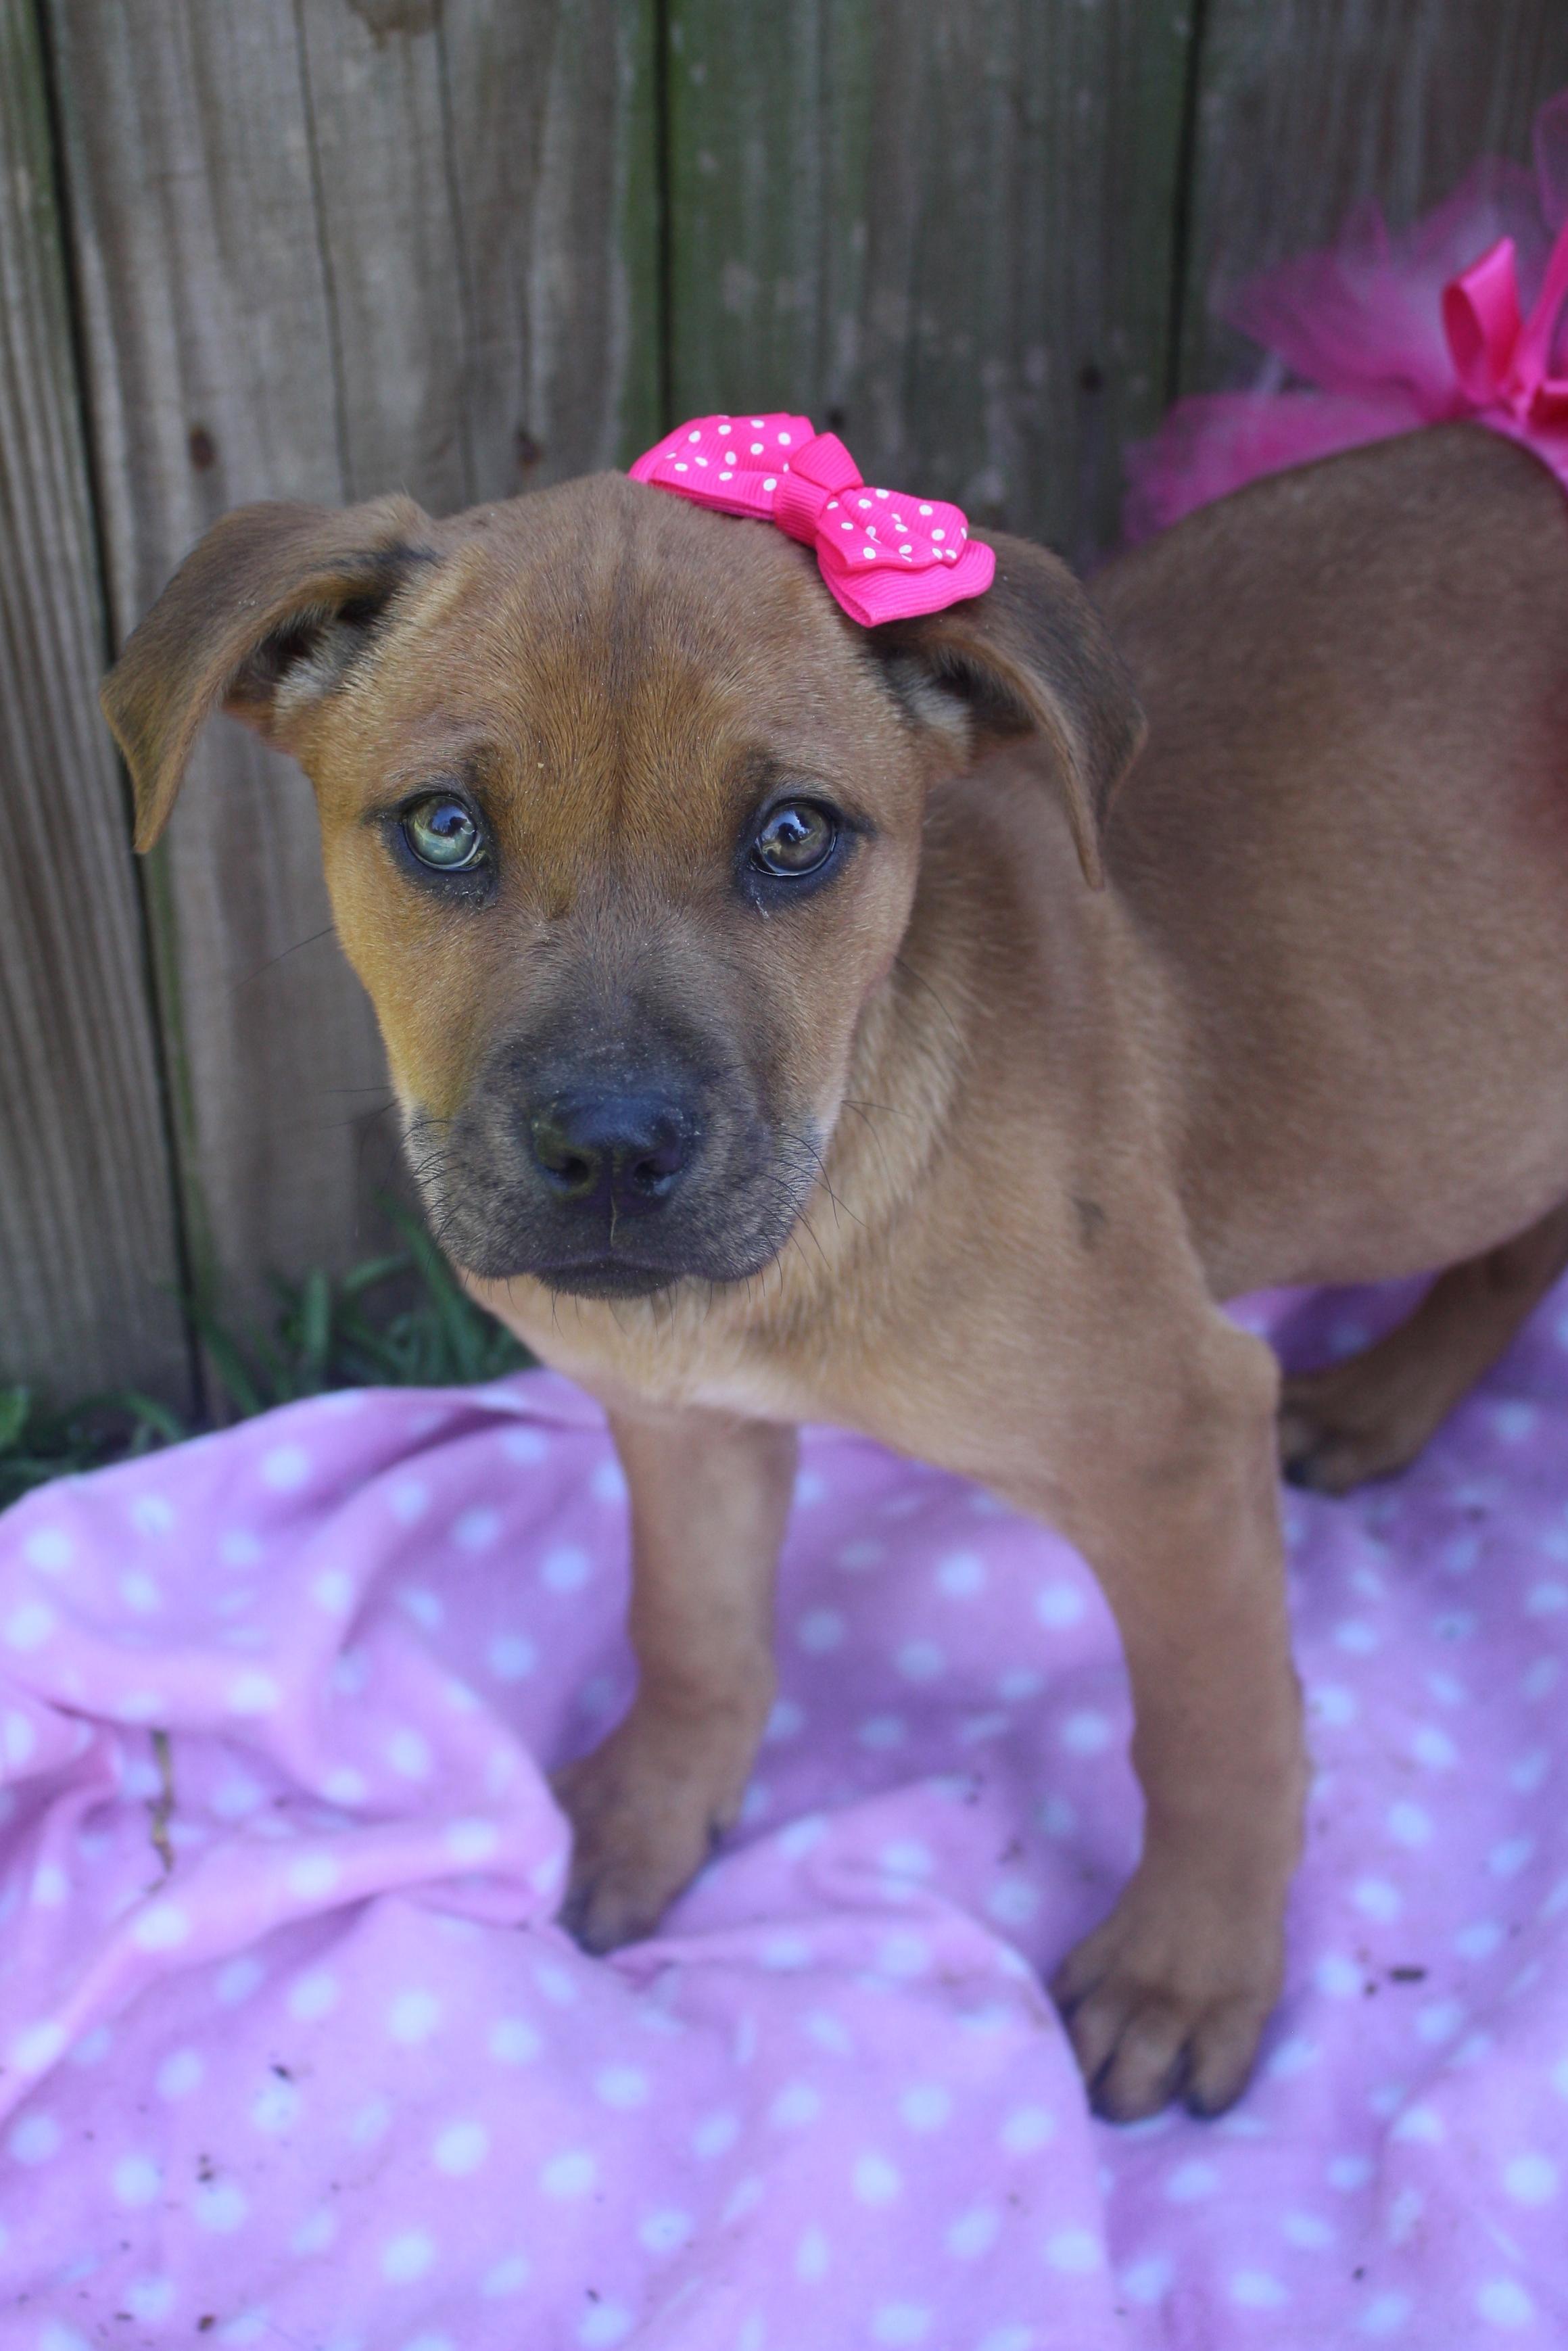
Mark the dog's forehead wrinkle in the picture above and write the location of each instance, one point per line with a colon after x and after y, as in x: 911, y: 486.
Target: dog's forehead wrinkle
x: 654, y: 575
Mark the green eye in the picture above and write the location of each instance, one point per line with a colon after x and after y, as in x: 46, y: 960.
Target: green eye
x: 444, y: 835
x: 797, y: 839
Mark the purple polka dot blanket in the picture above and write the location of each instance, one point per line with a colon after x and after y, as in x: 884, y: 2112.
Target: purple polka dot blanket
x: 295, y: 2055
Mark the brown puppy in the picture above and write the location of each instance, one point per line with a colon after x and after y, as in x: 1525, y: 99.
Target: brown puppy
x: 767, y: 1053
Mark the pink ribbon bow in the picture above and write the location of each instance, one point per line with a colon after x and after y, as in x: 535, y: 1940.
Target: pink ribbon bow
x: 884, y: 556
x: 1502, y: 359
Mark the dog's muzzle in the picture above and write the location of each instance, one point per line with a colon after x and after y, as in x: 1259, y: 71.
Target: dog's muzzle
x: 611, y: 1184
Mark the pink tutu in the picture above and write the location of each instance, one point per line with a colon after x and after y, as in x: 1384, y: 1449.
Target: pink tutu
x: 1461, y: 316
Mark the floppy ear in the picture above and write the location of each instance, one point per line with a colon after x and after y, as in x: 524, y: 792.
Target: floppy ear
x: 1033, y: 656
x: 272, y: 608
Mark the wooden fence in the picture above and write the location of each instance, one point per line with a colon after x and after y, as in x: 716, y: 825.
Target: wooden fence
x: 321, y: 248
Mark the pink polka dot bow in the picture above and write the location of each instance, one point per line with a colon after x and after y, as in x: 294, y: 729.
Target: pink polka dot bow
x: 884, y: 557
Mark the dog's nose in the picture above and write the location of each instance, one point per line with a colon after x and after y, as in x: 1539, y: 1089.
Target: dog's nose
x: 620, y: 1152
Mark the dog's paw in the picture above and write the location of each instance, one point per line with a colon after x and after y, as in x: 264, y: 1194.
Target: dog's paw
x: 1341, y: 1427
x: 646, y: 1808
x: 1167, y: 1999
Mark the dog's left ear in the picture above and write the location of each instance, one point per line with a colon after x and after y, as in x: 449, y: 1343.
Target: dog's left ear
x: 1033, y: 656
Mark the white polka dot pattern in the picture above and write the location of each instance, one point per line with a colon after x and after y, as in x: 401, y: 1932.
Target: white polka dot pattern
x: 334, y: 2047
x: 884, y: 556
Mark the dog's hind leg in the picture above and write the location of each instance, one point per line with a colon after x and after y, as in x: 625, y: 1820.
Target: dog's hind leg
x: 1372, y: 1415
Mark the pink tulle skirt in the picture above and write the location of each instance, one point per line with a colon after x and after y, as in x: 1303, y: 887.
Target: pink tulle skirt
x: 1460, y: 316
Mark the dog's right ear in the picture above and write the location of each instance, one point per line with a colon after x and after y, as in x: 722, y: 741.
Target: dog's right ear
x: 268, y: 613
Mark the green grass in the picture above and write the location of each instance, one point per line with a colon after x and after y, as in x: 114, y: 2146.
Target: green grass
x: 37, y: 1444
x: 400, y: 1321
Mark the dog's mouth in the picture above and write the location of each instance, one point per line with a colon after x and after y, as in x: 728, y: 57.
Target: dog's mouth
x: 601, y: 1277
x: 498, y: 1248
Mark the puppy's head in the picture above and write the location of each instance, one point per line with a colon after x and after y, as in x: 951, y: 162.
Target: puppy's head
x: 621, y: 820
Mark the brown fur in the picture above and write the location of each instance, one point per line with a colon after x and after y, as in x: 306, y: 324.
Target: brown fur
x: 981, y: 1146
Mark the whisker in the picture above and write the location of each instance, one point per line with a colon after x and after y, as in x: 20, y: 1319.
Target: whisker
x: 282, y: 957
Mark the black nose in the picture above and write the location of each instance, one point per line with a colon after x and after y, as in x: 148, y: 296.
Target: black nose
x: 620, y: 1152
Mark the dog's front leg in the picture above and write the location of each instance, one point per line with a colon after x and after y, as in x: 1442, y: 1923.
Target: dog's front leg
x: 1175, y: 1506
x: 710, y: 1495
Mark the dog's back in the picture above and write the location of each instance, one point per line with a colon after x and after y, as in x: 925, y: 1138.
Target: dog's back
x: 1347, y: 840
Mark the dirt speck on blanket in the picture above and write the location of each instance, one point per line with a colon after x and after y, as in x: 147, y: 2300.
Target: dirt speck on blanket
x: 293, y: 2053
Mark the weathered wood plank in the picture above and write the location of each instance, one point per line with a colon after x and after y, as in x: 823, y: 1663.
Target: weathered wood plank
x: 328, y: 249
x: 210, y: 341
x: 1308, y: 108
x: 87, y: 1257
x: 390, y: 246
x: 943, y: 225
x: 553, y: 147
x: 491, y: 245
